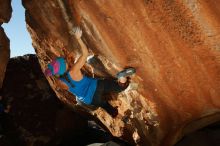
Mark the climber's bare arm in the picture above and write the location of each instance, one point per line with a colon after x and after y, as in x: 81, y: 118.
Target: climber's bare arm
x: 82, y: 59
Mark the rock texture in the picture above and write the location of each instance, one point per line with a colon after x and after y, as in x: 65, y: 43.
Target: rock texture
x: 5, y: 15
x: 173, y: 44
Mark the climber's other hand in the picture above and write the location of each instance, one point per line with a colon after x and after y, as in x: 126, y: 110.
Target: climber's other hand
x: 77, y: 32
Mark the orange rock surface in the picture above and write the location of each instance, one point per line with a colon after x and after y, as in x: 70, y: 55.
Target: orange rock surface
x: 174, y: 45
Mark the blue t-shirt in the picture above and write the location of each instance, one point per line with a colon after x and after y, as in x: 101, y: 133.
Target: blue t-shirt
x: 84, y: 89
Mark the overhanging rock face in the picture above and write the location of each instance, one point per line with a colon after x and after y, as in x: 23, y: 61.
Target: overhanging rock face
x: 5, y: 15
x: 174, y: 45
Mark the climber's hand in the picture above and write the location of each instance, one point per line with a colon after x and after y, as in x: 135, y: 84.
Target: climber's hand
x: 77, y: 32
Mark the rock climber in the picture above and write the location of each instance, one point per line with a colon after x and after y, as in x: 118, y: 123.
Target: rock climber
x: 86, y: 89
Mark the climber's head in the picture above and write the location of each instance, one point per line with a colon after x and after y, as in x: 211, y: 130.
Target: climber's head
x: 56, y: 67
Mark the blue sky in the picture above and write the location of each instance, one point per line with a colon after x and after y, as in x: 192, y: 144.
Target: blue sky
x: 20, y: 40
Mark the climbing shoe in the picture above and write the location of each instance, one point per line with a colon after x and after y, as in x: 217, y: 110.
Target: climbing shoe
x: 126, y: 72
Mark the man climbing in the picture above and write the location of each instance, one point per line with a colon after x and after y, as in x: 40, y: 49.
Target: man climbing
x: 87, y: 90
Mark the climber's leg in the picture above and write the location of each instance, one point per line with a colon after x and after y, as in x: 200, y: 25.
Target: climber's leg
x: 113, y: 85
x: 100, y: 101
x: 98, y: 95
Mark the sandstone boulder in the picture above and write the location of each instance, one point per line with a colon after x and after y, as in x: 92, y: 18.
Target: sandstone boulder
x: 174, y: 45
